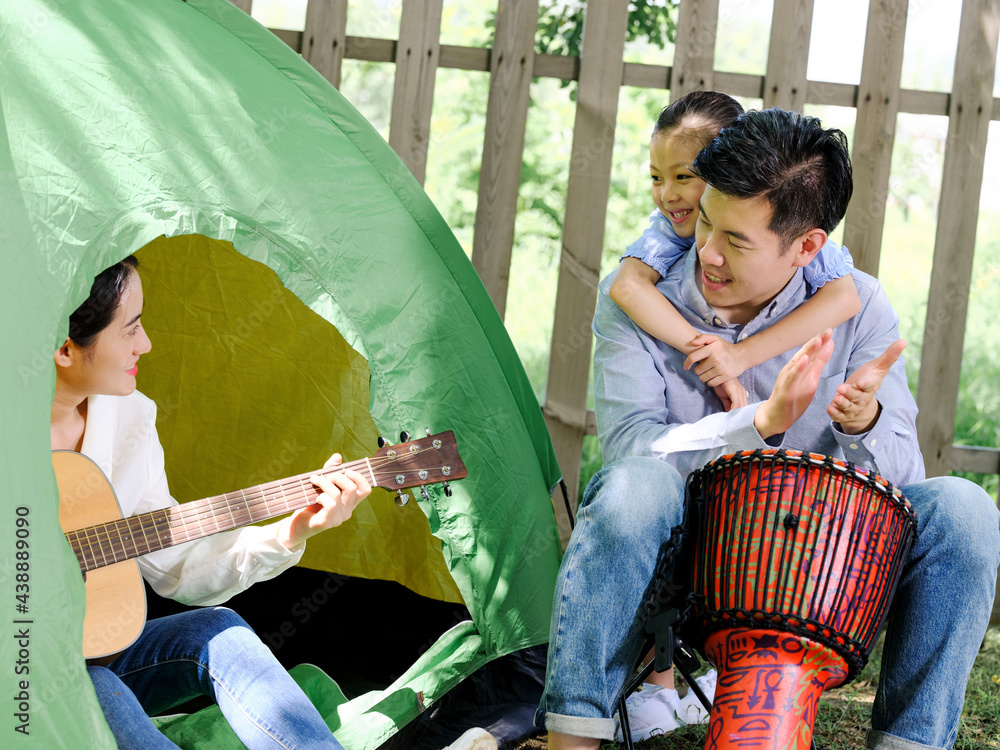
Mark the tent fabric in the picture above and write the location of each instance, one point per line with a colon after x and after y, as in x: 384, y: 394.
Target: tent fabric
x: 122, y: 123
x: 263, y: 341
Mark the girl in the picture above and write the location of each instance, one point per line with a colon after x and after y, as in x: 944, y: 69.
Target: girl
x: 97, y: 411
x: 681, y: 131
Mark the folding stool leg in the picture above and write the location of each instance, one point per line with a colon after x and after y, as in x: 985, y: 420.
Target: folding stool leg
x: 623, y: 719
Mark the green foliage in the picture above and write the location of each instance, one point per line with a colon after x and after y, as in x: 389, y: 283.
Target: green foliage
x: 560, y: 24
x: 560, y: 27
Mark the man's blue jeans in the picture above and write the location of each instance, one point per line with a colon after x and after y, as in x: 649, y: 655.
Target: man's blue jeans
x: 209, y: 652
x: 937, y: 620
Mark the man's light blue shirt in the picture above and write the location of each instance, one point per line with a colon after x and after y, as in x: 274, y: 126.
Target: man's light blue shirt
x: 648, y: 405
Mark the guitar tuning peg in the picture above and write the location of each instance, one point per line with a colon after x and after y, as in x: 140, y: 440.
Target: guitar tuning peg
x: 424, y: 495
x: 401, y: 498
x: 404, y: 436
x: 382, y: 442
x: 447, y: 489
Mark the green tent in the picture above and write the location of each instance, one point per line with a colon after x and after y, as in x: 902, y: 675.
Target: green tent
x: 303, y: 296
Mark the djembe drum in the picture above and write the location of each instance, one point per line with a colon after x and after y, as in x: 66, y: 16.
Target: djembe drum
x: 796, y: 559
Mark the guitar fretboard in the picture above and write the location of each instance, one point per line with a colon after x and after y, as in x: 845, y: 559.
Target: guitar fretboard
x: 416, y: 463
x: 125, y: 538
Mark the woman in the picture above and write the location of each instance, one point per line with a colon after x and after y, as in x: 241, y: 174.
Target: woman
x: 98, y: 412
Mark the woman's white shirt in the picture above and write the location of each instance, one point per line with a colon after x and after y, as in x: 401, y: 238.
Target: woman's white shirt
x: 121, y: 438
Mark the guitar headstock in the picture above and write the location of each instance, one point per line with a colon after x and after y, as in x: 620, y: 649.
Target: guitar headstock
x: 414, y: 463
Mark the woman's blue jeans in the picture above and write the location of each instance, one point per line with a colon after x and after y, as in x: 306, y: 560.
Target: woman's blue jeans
x: 937, y: 620
x: 209, y: 652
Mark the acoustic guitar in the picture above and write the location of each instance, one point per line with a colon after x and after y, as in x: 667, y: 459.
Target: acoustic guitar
x: 106, y: 544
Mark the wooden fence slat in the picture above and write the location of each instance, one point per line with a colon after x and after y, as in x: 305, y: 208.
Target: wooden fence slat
x: 874, y: 131
x: 413, y: 91
x: 465, y: 58
x: 644, y: 76
x: 292, y: 38
x: 740, y: 84
x: 694, y: 53
x: 601, y: 69
x: 503, y: 147
x: 370, y: 49
x: 557, y: 66
x: 788, y: 54
x: 976, y: 459
x: 324, y: 38
x: 828, y: 92
x: 925, y: 102
x: 955, y: 240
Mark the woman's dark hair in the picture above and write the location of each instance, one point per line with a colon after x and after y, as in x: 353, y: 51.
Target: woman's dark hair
x: 710, y: 110
x: 97, y: 312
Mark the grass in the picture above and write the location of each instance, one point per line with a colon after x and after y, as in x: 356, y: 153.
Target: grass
x: 845, y: 712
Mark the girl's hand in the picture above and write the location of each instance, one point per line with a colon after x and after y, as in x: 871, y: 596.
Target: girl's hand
x: 342, y: 492
x: 717, y: 360
x: 732, y: 394
x: 854, y: 407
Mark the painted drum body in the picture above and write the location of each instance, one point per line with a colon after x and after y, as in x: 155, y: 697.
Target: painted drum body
x: 796, y: 559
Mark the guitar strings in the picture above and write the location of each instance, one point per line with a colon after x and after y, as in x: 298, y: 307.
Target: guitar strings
x: 241, y: 504
x: 197, y: 511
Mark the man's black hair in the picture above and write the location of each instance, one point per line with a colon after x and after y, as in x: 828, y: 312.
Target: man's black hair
x: 801, y: 169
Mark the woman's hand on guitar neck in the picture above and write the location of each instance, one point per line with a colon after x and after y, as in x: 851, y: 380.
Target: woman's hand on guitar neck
x: 341, y: 493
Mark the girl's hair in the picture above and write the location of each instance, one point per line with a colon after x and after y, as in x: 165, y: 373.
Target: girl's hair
x: 97, y: 312
x: 709, y: 112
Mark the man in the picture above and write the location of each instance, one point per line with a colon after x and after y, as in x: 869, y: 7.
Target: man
x: 778, y: 183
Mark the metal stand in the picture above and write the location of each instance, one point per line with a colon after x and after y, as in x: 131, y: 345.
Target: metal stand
x: 668, y: 650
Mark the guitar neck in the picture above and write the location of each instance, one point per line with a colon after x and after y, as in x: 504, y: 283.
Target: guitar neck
x: 125, y: 538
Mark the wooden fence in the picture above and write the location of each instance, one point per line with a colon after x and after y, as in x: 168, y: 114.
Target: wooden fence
x: 601, y: 72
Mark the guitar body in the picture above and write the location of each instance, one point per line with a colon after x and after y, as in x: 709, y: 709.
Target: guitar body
x: 116, y: 598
